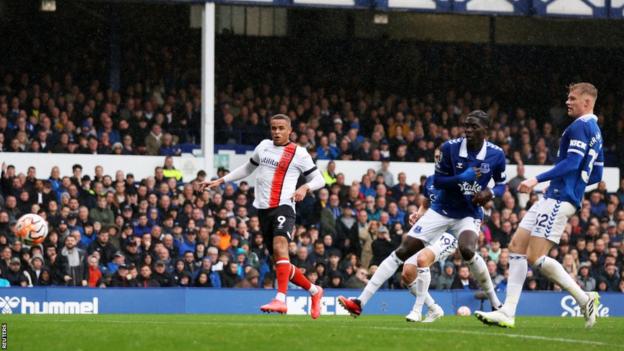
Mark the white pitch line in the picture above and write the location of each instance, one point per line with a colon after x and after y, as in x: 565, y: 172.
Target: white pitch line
x: 410, y: 330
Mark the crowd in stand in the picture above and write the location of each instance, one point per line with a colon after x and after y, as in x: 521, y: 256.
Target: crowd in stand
x: 62, y: 117
x: 118, y: 231
x: 157, y: 110
x: 115, y: 230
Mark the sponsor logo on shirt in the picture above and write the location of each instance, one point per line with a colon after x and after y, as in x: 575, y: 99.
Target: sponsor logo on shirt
x: 469, y: 189
x: 269, y: 161
x: 578, y: 143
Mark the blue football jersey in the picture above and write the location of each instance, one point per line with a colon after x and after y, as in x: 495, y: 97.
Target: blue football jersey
x: 432, y: 193
x: 429, y: 191
x: 582, y: 137
x: 455, y: 159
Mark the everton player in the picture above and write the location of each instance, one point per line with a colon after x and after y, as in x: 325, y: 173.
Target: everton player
x: 462, y: 175
x: 579, y: 164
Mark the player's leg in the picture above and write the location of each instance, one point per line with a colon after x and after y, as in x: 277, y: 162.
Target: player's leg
x: 298, y: 278
x: 505, y: 316
x: 281, y: 259
x: 386, y: 269
x: 428, y: 228
x: 468, y: 242
x: 555, y: 217
x: 277, y: 225
x: 517, y: 269
x: 417, y: 277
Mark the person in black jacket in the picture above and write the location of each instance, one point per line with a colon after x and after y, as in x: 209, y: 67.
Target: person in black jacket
x: 463, y: 279
x: 145, y: 279
x: 103, y: 246
x: 164, y: 278
x: 122, y: 278
x: 382, y: 246
x: 15, y: 274
x: 229, y: 276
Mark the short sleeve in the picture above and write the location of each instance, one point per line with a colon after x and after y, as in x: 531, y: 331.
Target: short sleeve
x: 500, y: 173
x: 305, y: 163
x: 579, y: 139
x: 255, y: 157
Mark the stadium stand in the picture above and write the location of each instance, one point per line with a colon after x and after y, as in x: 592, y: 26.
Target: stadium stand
x: 161, y: 231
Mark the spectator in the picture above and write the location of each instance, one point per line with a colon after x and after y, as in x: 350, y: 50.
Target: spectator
x: 122, y: 278
x: 164, y: 278
x: 358, y: 280
x: 611, y: 277
x: 153, y: 140
x: 145, y: 279
x: 94, y: 274
x: 382, y: 246
x: 73, y: 263
x: 229, y: 276
x: 583, y: 279
x: 15, y: 274
x: 250, y: 281
x: 102, y: 213
x: 330, y: 173
x: 446, y: 279
x: 169, y: 171
x: 463, y: 279
x: 102, y: 246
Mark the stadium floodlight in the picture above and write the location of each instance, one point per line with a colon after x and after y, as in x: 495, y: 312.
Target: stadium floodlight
x: 48, y: 5
x: 380, y: 18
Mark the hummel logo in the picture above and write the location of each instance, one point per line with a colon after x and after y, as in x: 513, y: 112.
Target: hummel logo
x: 459, y: 165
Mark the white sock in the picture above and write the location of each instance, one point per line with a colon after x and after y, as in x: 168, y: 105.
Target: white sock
x: 429, y: 301
x: 517, y: 274
x: 554, y: 271
x: 479, y: 270
x: 313, y: 289
x: 420, y: 288
x: 386, y: 269
x: 280, y: 296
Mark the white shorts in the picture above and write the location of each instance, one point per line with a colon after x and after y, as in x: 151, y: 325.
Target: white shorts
x: 547, y: 218
x: 432, y: 225
x: 443, y: 248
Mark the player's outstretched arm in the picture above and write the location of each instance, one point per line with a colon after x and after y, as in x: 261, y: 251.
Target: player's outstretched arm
x: 210, y: 184
x: 569, y: 164
x: 239, y: 173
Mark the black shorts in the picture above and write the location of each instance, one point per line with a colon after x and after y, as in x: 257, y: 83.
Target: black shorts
x: 277, y: 221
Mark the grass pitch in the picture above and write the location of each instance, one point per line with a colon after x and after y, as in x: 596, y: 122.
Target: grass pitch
x: 276, y: 333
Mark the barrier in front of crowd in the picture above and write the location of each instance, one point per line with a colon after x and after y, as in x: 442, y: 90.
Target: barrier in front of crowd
x: 60, y: 300
x: 143, y: 166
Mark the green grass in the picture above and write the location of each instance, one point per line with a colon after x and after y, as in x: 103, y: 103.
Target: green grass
x: 276, y: 333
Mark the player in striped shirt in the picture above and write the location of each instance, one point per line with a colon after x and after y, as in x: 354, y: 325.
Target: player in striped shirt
x: 278, y: 164
x: 579, y: 164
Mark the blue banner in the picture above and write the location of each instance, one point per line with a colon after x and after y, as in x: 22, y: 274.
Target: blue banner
x: 550, y: 8
x: 571, y: 8
x: 499, y: 7
x: 617, y: 9
x: 248, y: 301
